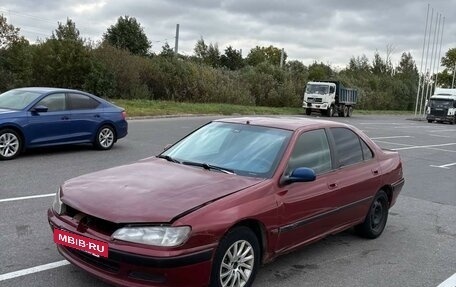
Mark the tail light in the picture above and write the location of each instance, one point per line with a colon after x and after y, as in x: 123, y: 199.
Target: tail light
x: 124, y: 115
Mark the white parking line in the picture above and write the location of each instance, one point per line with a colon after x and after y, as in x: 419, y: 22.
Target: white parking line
x: 385, y: 142
x: 450, y: 282
x: 32, y: 270
x: 26, y: 197
x: 439, y: 131
x: 392, y: 137
x: 446, y: 166
x: 423, y: 146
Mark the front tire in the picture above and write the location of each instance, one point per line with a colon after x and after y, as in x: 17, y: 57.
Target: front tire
x: 376, y: 218
x: 105, y: 138
x: 430, y: 121
x: 308, y: 112
x: 330, y: 111
x: 10, y: 144
x: 237, y: 259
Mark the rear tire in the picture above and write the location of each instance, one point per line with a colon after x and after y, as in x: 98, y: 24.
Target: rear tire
x: 345, y: 111
x: 10, y: 144
x: 237, y: 259
x: 430, y: 121
x: 105, y: 138
x: 350, y: 112
x: 376, y: 218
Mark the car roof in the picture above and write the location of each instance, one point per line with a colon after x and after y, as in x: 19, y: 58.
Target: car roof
x: 287, y: 123
x: 47, y: 90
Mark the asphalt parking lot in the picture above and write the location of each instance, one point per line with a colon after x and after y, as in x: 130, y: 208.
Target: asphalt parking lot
x: 417, y: 248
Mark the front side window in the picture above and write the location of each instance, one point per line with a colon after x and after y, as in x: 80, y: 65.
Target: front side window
x: 245, y: 149
x: 348, y: 146
x: 54, y: 102
x: 82, y: 102
x: 311, y: 150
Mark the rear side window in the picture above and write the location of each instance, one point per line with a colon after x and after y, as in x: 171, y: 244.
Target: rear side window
x: 348, y: 146
x: 82, y: 102
x: 312, y: 151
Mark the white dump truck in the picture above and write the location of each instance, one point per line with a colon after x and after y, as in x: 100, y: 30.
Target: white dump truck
x: 329, y: 98
x: 442, y: 106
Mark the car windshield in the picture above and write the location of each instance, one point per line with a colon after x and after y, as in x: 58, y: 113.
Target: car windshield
x: 436, y: 103
x: 241, y: 148
x: 17, y: 99
x: 317, y: 89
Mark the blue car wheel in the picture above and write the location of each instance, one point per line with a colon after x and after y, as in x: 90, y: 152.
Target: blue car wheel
x: 10, y: 144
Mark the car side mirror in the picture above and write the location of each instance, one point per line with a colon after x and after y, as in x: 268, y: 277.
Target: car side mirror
x: 300, y: 174
x: 40, y: 109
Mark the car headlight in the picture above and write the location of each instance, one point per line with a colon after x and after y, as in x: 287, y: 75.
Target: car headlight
x: 165, y: 236
x: 58, y: 206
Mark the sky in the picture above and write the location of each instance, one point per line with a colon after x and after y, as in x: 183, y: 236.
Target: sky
x: 328, y: 31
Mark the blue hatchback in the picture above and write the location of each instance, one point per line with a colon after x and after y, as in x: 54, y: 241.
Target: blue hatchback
x: 37, y: 117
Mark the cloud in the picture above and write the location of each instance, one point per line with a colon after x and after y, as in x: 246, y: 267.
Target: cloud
x: 330, y: 31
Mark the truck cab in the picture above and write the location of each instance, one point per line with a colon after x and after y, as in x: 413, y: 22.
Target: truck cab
x: 442, y: 106
x: 319, y: 96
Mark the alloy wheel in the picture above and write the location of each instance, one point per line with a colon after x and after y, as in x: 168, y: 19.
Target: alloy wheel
x: 106, y: 138
x: 237, y: 264
x: 9, y: 145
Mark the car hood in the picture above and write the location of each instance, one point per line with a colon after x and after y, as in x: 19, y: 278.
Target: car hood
x: 149, y: 191
x: 5, y: 113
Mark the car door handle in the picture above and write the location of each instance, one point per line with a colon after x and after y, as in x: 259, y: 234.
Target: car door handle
x: 97, y: 116
x: 332, y: 185
x: 65, y: 118
x: 375, y: 171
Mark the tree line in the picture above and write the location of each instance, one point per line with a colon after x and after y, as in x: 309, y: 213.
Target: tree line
x: 122, y: 66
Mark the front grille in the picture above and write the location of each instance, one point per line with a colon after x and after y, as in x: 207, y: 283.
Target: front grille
x: 100, y: 262
x: 439, y: 112
x: 95, y: 223
x: 318, y: 100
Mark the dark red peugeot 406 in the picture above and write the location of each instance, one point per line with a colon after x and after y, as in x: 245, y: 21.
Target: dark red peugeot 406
x: 230, y: 196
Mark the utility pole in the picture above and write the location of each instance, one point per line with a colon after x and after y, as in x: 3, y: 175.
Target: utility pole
x: 438, y: 58
x: 176, y: 45
x: 420, y: 75
x: 425, y: 64
x: 454, y: 72
x: 281, y: 57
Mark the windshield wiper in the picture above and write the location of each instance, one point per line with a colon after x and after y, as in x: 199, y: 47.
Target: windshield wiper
x: 209, y: 167
x: 168, y: 158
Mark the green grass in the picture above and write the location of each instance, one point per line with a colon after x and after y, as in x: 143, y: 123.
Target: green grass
x: 138, y: 108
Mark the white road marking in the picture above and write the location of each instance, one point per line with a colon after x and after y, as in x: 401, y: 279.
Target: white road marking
x: 423, y: 146
x: 440, y: 136
x: 439, y: 131
x: 441, y: 149
x: 392, y: 137
x: 26, y: 197
x: 32, y: 270
x: 446, y: 166
x: 381, y: 123
x: 393, y: 143
x: 450, y: 282
x: 413, y: 127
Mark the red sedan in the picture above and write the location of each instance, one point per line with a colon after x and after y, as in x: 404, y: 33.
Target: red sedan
x: 228, y: 197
